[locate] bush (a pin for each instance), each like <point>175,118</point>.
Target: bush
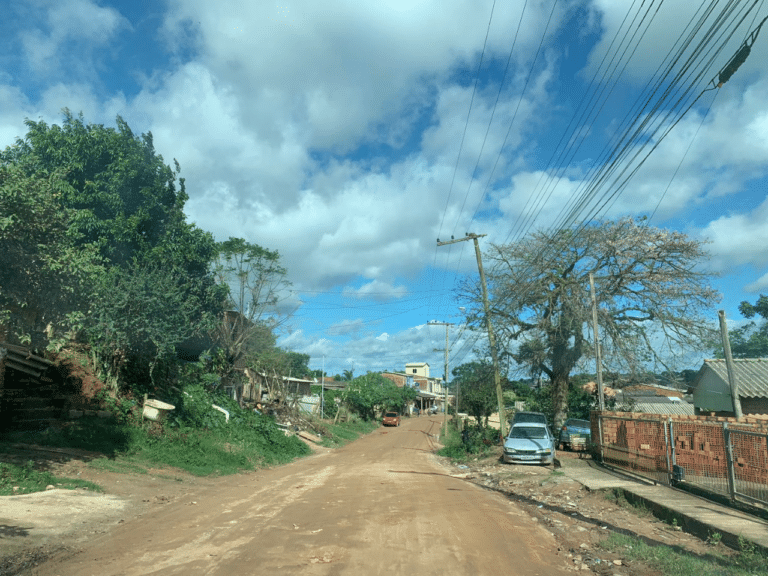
<point>473,441</point>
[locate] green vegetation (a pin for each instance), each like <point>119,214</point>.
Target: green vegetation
<point>674,562</point>
<point>750,340</point>
<point>25,480</point>
<point>249,441</point>
<point>346,432</point>
<point>371,392</point>
<point>474,442</point>
<point>478,390</point>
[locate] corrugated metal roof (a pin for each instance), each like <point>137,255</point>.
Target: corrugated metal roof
<point>678,408</point>
<point>751,375</point>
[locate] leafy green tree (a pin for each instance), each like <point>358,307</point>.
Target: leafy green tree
<point>46,274</point>
<point>144,312</point>
<point>654,300</point>
<point>478,390</point>
<point>126,199</point>
<point>751,340</point>
<point>123,201</point>
<point>580,403</point>
<point>371,392</point>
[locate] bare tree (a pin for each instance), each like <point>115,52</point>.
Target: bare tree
<point>654,299</point>
<point>254,279</point>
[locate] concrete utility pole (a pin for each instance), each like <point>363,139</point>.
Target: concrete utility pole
<point>322,389</point>
<point>598,358</point>
<point>729,365</point>
<point>445,378</point>
<point>489,326</point>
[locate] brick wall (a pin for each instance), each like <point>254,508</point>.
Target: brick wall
<point>644,442</point>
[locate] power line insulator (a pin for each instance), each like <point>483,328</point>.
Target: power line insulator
<point>733,65</point>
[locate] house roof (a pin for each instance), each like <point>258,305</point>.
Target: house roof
<point>751,375</point>
<point>680,408</point>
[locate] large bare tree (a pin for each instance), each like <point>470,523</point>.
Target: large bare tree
<point>654,298</point>
<point>255,280</point>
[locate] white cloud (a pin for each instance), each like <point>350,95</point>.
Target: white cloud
<point>376,290</point>
<point>79,22</point>
<point>739,238</point>
<point>667,24</point>
<point>382,352</point>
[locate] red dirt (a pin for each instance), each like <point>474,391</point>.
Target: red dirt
<point>384,503</point>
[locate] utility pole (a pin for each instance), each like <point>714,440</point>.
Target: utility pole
<point>489,326</point>
<point>729,365</point>
<point>445,378</point>
<point>322,389</point>
<point>598,358</point>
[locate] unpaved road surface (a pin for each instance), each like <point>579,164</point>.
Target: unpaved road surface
<point>383,504</point>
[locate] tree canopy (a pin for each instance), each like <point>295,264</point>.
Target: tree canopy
<point>117,241</point>
<point>370,392</point>
<point>125,199</point>
<point>751,340</point>
<point>654,301</point>
<point>46,276</point>
<point>477,397</point>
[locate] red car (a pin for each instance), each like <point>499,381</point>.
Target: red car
<point>391,419</point>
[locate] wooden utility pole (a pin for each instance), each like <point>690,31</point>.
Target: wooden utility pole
<point>729,364</point>
<point>445,378</point>
<point>598,359</point>
<point>489,326</point>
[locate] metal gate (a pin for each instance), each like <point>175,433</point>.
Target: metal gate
<point>728,460</point>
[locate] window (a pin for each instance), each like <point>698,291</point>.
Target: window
<point>414,370</point>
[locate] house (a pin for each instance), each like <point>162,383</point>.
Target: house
<point>417,369</point>
<point>275,386</point>
<point>712,391</point>
<point>431,391</point>
<point>652,399</point>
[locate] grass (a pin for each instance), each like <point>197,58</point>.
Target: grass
<point>133,447</point>
<point>119,466</point>
<point>25,480</point>
<point>618,497</point>
<point>674,562</point>
<point>343,433</point>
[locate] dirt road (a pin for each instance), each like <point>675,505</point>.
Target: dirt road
<point>383,504</point>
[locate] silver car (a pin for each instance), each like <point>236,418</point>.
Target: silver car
<point>529,443</point>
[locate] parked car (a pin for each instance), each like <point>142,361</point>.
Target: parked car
<point>530,443</point>
<point>391,419</point>
<point>523,417</point>
<point>575,434</point>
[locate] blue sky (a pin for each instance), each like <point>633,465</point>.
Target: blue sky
<point>332,131</point>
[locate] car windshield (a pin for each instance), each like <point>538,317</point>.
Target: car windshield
<point>390,415</point>
<point>528,432</point>
<point>574,423</point>
<point>529,417</point>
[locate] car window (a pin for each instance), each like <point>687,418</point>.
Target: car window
<point>576,423</point>
<point>390,415</point>
<point>528,432</point>
<point>530,417</point>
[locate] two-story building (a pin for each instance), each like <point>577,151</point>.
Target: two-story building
<point>431,391</point>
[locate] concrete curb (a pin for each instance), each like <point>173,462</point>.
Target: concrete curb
<point>694,514</point>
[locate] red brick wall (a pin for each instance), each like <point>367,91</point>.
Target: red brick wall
<point>642,442</point>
